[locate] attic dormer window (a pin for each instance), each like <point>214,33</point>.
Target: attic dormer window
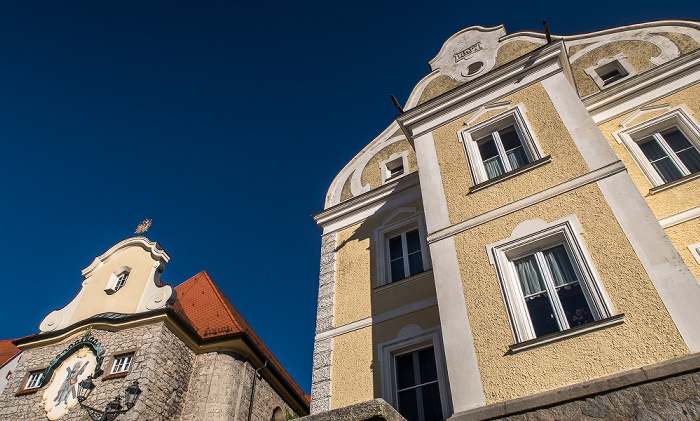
<point>121,280</point>
<point>118,279</point>
<point>395,167</point>
<point>609,71</point>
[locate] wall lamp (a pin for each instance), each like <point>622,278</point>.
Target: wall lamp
<point>113,409</point>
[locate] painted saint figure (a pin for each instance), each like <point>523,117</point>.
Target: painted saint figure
<point>68,386</point>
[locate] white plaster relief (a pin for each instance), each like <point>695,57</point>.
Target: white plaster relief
<point>470,45</point>
<point>355,167</point>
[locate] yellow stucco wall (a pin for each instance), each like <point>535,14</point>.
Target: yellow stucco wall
<point>552,136</point>
<point>356,274</point>
<point>438,86</point>
<point>648,334</point>
<point>512,50</point>
<point>674,200</point>
<point>638,55</point>
<point>683,235</point>
<point>356,375</point>
<point>684,43</point>
<point>95,300</point>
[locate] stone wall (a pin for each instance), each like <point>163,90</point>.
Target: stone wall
<point>665,391</point>
<point>161,364</point>
<point>176,383</point>
<point>220,387</point>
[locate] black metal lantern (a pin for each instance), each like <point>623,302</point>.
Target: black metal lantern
<point>132,394</point>
<point>114,408</point>
<point>84,388</point>
<point>115,405</point>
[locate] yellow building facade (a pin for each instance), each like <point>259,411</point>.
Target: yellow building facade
<point>529,224</point>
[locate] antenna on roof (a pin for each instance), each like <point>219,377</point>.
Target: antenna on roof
<point>546,31</point>
<point>143,226</point>
<point>396,104</point>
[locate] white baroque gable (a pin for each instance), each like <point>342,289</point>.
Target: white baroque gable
<point>143,291</point>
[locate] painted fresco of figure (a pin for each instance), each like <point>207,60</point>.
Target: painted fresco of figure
<point>68,386</point>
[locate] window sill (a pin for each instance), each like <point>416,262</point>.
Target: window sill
<point>27,391</point>
<point>525,168</point>
<point>115,376</point>
<point>403,281</point>
<point>579,330</point>
<point>674,183</point>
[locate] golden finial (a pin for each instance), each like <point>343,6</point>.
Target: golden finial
<point>143,226</point>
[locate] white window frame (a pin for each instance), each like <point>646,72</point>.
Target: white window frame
<point>412,338</point>
<point>115,283</point>
<point>619,62</point>
<point>34,380</point>
<point>122,363</point>
<point>514,116</point>
<point>677,117</point>
<point>695,251</point>
<point>387,167</point>
<point>529,237</point>
<point>413,220</point>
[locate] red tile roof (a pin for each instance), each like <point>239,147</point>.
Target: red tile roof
<point>211,314</point>
<point>7,351</point>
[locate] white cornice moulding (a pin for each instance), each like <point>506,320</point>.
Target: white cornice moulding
<point>644,88</point>
<point>358,208</point>
<point>528,69</point>
<point>679,218</point>
<point>157,252</point>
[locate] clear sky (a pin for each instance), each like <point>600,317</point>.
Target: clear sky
<point>222,121</point>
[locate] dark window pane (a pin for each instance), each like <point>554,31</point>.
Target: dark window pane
<point>432,409</point>
<point>404,371</point>
<point>509,138</point>
<point>413,241</point>
<point>575,305</point>
<point>415,263</point>
<point>691,159</point>
<point>517,157</point>
<point>408,404</point>
<point>676,140</point>
<point>487,148</point>
<point>426,365</point>
<point>397,270</point>
<point>542,315</point>
<point>395,248</point>
<point>660,160</point>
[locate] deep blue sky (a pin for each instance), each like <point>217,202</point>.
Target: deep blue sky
<point>224,122</point>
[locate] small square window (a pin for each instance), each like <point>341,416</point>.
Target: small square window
<point>117,279</point>
<point>499,145</point>
<point>121,364</point>
<point>34,380</point>
<point>609,71</point>
<point>394,167</point>
<point>121,280</point>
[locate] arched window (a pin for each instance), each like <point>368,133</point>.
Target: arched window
<point>277,414</point>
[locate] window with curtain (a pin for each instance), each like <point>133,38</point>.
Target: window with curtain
<point>671,154</point>
<point>405,255</point>
<point>552,291</point>
<point>502,151</point>
<point>417,387</point>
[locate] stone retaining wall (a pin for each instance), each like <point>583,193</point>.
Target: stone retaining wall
<point>659,392</point>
